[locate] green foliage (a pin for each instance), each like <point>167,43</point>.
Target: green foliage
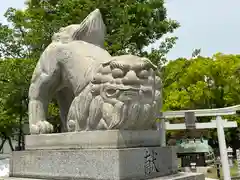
<point>10,44</point>
<point>131,24</point>
<point>14,82</point>
<point>203,82</point>
<point>158,56</point>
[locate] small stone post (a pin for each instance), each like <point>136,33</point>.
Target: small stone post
<point>238,160</point>
<point>193,167</point>
<point>230,156</point>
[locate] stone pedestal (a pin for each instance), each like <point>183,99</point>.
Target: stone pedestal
<point>105,155</point>
<point>113,139</point>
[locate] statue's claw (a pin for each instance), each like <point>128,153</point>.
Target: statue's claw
<point>71,126</point>
<point>41,127</point>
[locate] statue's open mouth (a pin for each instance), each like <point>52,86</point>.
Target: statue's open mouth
<point>128,93</point>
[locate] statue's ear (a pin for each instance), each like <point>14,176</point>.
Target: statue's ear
<point>92,29</point>
<point>149,63</point>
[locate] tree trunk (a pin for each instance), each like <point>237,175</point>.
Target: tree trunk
<point>3,142</point>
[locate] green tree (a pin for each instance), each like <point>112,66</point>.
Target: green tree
<point>131,24</point>
<point>203,82</point>
<point>14,82</point>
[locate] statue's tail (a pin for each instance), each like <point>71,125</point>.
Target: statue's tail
<point>91,29</point>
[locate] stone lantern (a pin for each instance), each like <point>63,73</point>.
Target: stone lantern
<point>195,154</point>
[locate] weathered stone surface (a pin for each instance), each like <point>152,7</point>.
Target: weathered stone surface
<point>178,176</point>
<point>104,164</point>
<point>182,176</point>
<point>93,140</point>
<point>94,90</point>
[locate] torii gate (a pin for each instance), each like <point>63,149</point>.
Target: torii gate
<point>190,123</point>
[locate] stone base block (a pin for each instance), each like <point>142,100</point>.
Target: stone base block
<point>112,139</point>
<point>178,176</point>
<point>95,164</point>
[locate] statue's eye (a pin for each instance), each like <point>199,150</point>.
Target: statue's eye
<point>111,92</point>
<point>143,74</point>
<point>117,73</point>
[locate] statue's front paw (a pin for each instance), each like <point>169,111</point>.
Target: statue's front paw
<point>41,127</point>
<point>34,129</point>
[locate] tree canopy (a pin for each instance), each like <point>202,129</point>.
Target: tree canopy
<point>131,25</point>
<point>204,82</point>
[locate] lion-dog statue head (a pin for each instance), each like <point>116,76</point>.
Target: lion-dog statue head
<point>123,94</point>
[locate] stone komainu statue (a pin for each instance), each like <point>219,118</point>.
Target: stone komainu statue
<point>94,89</point>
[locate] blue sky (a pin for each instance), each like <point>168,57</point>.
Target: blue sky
<point>212,25</point>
